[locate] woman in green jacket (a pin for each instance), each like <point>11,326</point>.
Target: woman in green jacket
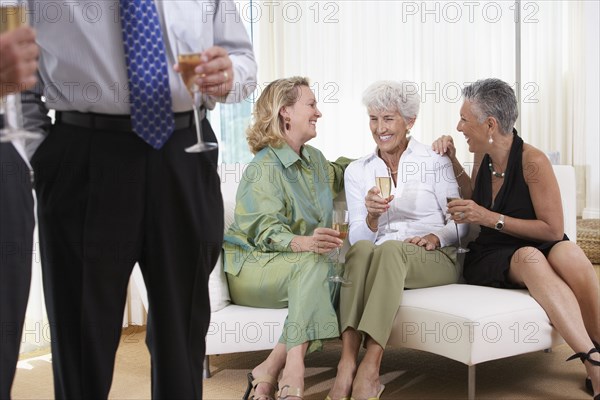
<point>276,249</point>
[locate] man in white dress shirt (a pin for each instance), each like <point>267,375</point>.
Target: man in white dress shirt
<point>107,199</point>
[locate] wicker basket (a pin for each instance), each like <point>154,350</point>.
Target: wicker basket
<point>588,238</point>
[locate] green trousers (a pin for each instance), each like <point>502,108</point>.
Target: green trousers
<point>379,275</point>
<point>297,281</point>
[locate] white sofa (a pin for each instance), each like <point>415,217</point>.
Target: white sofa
<point>470,324</point>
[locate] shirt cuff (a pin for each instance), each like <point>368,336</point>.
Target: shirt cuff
<point>447,234</point>
<point>280,242</point>
<point>360,231</point>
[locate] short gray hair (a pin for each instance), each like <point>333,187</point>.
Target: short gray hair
<point>493,98</point>
<point>402,97</point>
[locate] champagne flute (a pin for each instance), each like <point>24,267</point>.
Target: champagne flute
<point>12,17</point>
<point>453,193</point>
<point>340,224</point>
<point>383,181</point>
<point>188,60</point>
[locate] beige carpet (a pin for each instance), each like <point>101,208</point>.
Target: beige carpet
<point>407,374</point>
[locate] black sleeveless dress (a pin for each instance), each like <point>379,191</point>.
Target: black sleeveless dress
<point>488,261</point>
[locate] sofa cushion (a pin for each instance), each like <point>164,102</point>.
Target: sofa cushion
<point>238,328</point>
<point>472,324</point>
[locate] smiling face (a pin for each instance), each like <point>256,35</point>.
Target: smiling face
<point>476,133</point>
<point>389,130</point>
<point>303,115</point>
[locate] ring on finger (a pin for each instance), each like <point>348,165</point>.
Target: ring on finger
<point>461,215</point>
<point>225,75</point>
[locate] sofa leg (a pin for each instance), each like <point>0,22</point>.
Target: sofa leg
<point>471,384</point>
<point>206,365</point>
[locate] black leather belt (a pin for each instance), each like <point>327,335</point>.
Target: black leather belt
<point>107,122</point>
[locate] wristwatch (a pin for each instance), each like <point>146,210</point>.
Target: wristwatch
<point>500,224</point>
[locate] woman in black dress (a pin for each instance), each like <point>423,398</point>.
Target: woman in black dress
<point>516,201</point>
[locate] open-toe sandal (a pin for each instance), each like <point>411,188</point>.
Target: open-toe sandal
<point>288,391</point>
<point>381,388</point>
<point>253,383</point>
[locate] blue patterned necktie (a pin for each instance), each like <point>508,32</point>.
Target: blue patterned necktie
<point>151,110</point>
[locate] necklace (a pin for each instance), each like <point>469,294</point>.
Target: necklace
<point>388,168</point>
<point>496,174</point>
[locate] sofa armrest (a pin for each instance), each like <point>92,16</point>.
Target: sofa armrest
<point>565,175</point>
<point>218,289</point>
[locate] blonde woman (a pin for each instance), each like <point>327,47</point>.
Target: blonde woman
<point>276,249</point>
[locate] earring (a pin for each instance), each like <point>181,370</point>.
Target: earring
<point>490,140</point>
<point>408,133</point>
<point>287,123</point>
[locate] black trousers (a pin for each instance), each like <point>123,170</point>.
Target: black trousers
<point>16,241</point>
<point>106,200</point>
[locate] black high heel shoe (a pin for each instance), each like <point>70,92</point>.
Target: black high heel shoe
<point>588,380</point>
<point>253,383</point>
<point>586,357</point>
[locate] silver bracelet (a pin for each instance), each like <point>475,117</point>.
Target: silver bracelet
<point>459,175</point>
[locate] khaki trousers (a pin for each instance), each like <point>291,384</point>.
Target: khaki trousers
<point>379,275</point>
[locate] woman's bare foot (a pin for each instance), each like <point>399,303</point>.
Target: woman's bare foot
<point>267,377</point>
<point>267,373</point>
<point>366,383</point>
<point>291,385</point>
<point>342,387</point>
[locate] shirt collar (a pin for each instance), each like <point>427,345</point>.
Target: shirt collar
<point>288,157</point>
<point>418,148</point>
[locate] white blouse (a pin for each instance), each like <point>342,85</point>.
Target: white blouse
<point>419,204</point>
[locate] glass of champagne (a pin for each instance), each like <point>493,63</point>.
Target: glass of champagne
<point>340,224</point>
<point>13,16</point>
<point>453,193</point>
<point>383,181</point>
<point>188,60</point>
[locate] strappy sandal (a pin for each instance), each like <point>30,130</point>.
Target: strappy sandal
<point>586,357</point>
<point>290,391</point>
<point>253,383</point>
<point>588,380</point>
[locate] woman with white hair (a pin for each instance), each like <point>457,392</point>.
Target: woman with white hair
<point>415,252</point>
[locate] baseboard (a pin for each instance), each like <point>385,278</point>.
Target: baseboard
<point>590,213</point>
